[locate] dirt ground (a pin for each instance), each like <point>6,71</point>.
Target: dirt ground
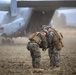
<point>15,59</point>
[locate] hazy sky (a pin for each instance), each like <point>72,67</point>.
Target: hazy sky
<point>70,15</point>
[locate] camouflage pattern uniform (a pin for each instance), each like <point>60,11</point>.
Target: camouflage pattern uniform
<point>54,55</point>
<point>53,52</point>
<point>35,53</point>
<point>33,47</point>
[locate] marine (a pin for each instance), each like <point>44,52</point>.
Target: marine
<point>37,40</point>
<point>55,44</point>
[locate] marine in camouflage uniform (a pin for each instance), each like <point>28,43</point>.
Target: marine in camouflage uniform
<point>33,46</point>
<point>53,51</point>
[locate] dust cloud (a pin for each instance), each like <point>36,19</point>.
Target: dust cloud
<point>15,59</point>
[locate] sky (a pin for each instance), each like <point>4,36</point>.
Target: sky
<point>70,15</point>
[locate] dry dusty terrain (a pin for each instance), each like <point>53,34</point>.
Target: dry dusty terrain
<point>15,59</point>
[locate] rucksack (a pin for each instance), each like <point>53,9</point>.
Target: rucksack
<point>58,39</point>
<point>35,38</point>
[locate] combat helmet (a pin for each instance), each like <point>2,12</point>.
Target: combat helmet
<point>45,27</point>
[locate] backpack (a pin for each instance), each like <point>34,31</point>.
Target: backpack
<point>57,39</point>
<point>35,38</point>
